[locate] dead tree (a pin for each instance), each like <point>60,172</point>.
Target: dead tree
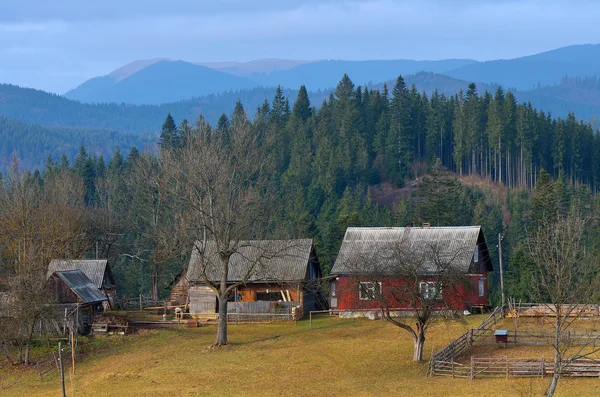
<point>565,279</point>
<point>414,286</point>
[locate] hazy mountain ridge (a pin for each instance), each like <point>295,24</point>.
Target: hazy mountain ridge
<point>158,81</point>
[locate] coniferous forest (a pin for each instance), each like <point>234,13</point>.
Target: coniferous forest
<point>389,157</point>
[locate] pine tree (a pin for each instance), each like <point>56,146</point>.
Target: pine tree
<point>302,108</point>
<point>169,136</point>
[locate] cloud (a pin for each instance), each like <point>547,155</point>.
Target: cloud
<point>77,39</point>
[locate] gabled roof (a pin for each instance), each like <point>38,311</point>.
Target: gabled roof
<point>264,260</point>
<point>82,286</point>
<point>94,269</point>
<point>382,245</point>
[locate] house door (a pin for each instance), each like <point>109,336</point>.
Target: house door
<point>333,300</point>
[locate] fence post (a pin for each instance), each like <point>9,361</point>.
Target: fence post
<point>543,368</point>
<point>452,366</point>
<point>515,336</point>
<point>471,376</point>
<point>62,369</point>
<point>141,308</point>
<point>471,338</point>
<point>506,361</point>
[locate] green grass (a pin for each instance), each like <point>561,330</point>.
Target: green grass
<point>334,357</point>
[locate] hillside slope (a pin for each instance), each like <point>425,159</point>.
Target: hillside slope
<point>32,144</point>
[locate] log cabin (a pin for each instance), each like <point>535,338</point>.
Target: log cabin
<point>465,245</point>
<point>271,273</point>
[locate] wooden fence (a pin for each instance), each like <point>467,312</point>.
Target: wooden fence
<point>530,337</point>
<point>460,344</point>
<point>504,367</point>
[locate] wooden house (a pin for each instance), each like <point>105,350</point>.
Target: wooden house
<point>465,246</point>
<point>277,273</point>
<point>97,270</point>
<point>73,287</point>
<point>179,288</point>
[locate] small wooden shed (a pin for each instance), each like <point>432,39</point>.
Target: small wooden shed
<point>179,289</point>
<point>74,287</point>
<point>96,270</point>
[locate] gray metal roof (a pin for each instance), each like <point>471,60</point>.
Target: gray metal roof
<point>82,286</point>
<point>94,269</point>
<point>381,248</point>
<point>262,260</point>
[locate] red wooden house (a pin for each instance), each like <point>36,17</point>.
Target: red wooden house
<point>354,285</point>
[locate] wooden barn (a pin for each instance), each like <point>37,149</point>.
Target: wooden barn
<point>97,270</point>
<point>282,273</point>
<point>73,287</point>
<point>465,245</point>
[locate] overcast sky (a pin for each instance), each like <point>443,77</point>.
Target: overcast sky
<point>56,45</point>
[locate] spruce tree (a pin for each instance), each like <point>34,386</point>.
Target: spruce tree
<point>168,136</point>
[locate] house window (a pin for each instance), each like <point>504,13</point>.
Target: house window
<point>476,254</point>
<point>429,290</point>
<point>268,296</point>
<point>369,290</point>
<point>333,288</point>
<point>481,287</point>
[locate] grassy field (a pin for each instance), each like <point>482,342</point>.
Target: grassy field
<point>333,357</point>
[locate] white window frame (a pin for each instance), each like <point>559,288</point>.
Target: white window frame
<point>333,288</point>
<point>367,290</point>
<point>429,290</point>
<point>481,286</point>
<point>476,254</point>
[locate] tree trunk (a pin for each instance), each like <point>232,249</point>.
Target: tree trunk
<point>155,281</point>
<point>222,325</point>
<point>553,385</point>
<point>419,342</point>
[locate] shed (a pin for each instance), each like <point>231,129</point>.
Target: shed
<point>179,289</point>
<point>96,270</point>
<point>74,287</point>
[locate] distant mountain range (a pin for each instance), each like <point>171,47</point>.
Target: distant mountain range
<point>158,81</point>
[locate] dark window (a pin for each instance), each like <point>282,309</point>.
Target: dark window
<point>268,296</point>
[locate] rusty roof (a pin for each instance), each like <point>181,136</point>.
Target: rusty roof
<point>82,286</point>
<point>253,260</point>
<point>380,247</point>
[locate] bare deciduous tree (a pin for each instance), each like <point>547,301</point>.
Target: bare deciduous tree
<point>154,214</point>
<point>414,288</point>
<point>38,222</point>
<point>223,194</point>
<point>565,278</point>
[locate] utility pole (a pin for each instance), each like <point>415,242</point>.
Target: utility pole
<point>500,237</point>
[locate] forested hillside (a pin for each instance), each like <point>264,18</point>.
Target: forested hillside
<point>364,158</point>
<point>32,144</point>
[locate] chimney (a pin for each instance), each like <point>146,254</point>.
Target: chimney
<point>426,224</point>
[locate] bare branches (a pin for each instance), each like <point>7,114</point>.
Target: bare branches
<point>424,280</point>
<point>565,278</point>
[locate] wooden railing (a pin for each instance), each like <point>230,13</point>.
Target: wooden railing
<point>505,367</point>
<point>460,344</point>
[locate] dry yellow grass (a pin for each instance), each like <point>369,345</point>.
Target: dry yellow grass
<point>334,357</point>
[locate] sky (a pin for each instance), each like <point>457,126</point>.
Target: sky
<point>57,45</point>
